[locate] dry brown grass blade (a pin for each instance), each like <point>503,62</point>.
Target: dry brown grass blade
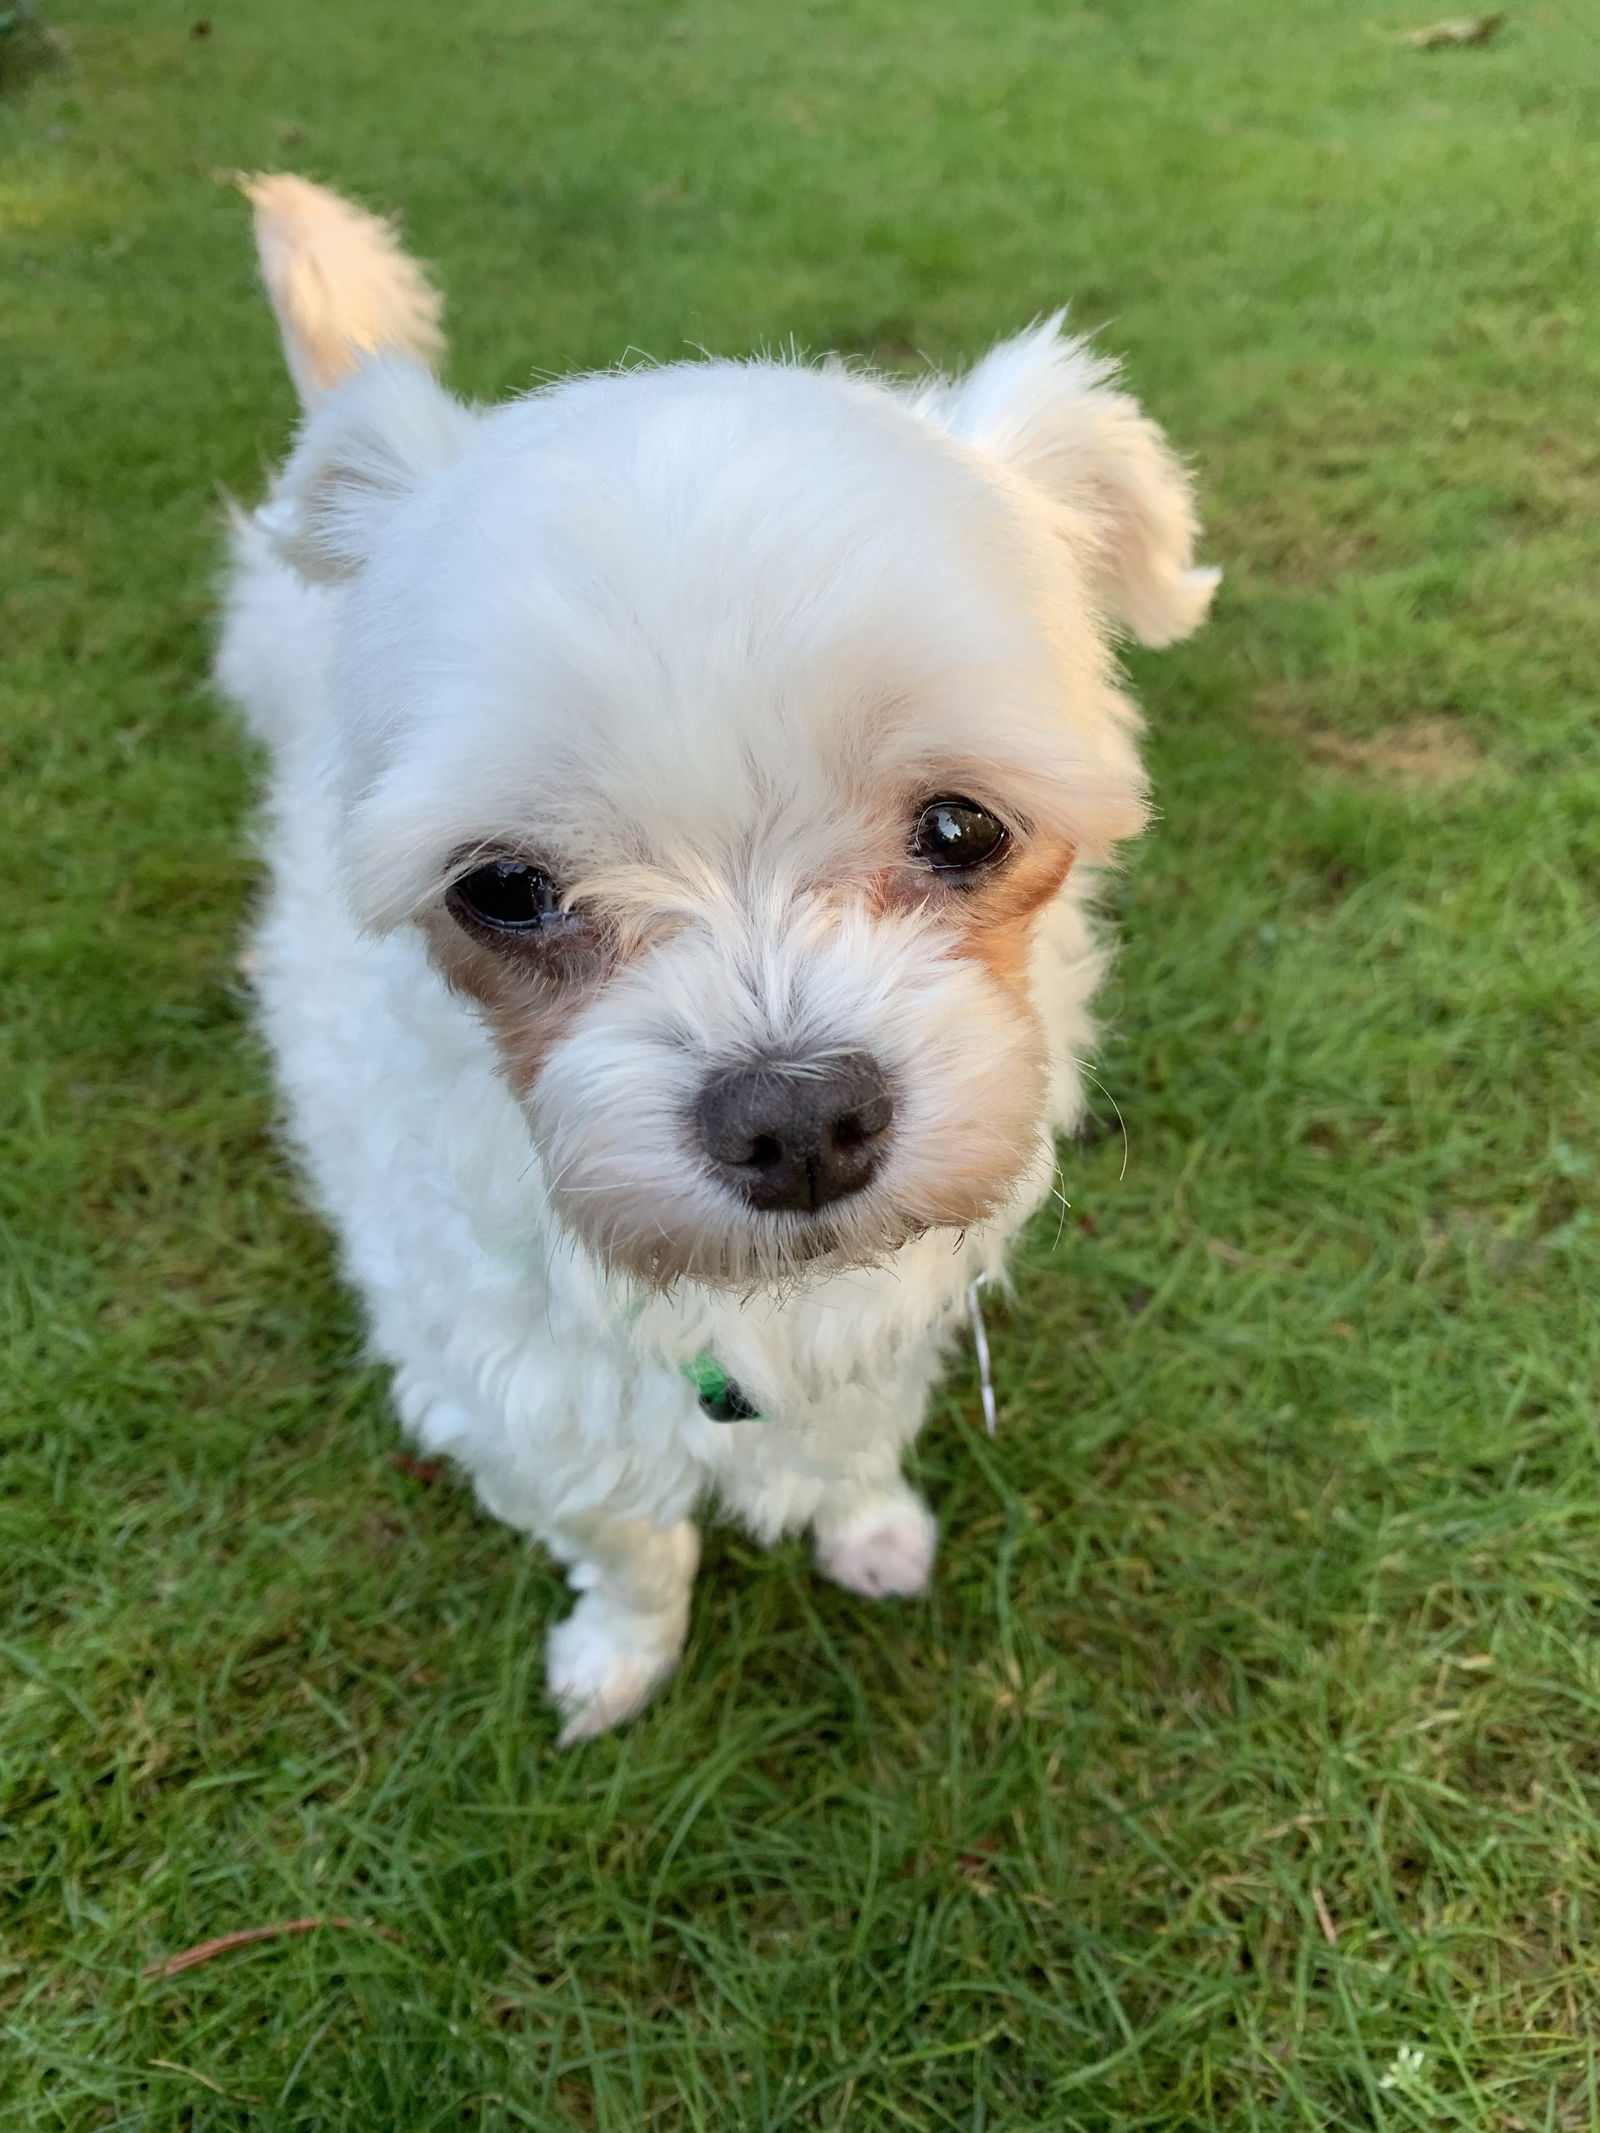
<point>225,1943</point>
<point>1455,30</point>
<point>427,1471</point>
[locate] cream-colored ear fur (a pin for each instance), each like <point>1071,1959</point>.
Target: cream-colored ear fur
<point>1048,406</point>
<point>360,327</point>
<point>339,283</point>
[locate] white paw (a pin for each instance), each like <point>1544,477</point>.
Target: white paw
<point>884,1550</point>
<point>603,1664</point>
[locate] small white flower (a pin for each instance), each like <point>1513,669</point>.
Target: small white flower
<point>1405,2069</point>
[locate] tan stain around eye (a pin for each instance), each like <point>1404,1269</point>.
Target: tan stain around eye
<point>528,997</point>
<point>998,930</point>
<point>990,921</point>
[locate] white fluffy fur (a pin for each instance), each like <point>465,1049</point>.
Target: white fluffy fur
<point>696,633</point>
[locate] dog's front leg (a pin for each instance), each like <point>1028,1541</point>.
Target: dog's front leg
<point>625,1635</point>
<point>874,1534</point>
<point>876,1538</point>
<point>840,1475</point>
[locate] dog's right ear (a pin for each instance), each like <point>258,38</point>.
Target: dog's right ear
<point>363,449</point>
<point>1049,408</point>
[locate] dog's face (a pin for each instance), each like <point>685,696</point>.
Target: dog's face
<point>729,731</point>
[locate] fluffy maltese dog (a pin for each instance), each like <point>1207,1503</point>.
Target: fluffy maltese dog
<point>687,788</point>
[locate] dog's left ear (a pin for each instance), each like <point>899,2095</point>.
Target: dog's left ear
<point>1048,407</point>
<point>363,449</point>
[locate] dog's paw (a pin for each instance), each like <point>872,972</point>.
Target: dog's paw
<point>885,1550</point>
<point>603,1665</point>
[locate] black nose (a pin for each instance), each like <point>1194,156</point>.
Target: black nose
<point>796,1134</point>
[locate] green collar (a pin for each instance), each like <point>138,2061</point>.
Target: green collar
<point>720,1397</point>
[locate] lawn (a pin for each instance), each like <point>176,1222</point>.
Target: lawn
<point>1241,1770</point>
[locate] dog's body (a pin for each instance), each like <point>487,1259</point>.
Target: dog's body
<point>686,787</point>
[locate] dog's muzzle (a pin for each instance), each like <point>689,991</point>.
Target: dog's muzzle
<point>796,1134</point>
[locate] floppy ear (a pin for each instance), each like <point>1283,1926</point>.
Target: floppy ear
<point>364,447</point>
<point>1048,407</point>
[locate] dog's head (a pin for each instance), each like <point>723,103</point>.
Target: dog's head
<point>728,730</point>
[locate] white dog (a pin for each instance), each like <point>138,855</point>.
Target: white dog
<point>686,788</point>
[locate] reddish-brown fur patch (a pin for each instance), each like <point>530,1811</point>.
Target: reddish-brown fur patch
<point>529,992</point>
<point>999,931</point>
<point>990,920</point>
<point>968,1191</point>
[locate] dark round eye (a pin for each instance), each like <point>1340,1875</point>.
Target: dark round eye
<point>953,835</point>
<point>507,896</point>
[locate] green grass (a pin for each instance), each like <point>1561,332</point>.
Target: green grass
<point>1246,1749</point>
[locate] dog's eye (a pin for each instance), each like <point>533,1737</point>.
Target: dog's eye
<point>507,896</point>
<point>955,835</point>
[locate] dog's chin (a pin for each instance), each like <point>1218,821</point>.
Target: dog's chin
<point>777,1253</point>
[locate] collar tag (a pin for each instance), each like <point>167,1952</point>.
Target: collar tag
<point>980,1342</point>
<point>720,1397</point>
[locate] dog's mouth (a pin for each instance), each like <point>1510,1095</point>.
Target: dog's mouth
<point>769,1173</point>
<point>773,1256</point>
<point>789,1149</point>
<point>805,1247</point>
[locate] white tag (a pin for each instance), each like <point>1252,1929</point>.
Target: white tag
<point>980,1341</point>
